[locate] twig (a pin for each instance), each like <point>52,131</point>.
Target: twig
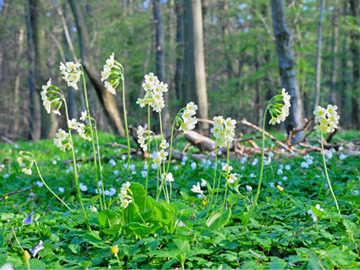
<point>247,123</point>
<point>17,191</point>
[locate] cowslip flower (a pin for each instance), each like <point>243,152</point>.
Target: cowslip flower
<point>51,97</point>
<point>187,118</point>
<point>154,93</point>
<point>145,137</point>
<point>227,168</point>
<point>115,249</point>
<point>112,71</point>
<point>168,177</point>
<point>279,107</point>
<point>27,257</point>
<point>71,73</point>
<point>223,130</point>
<point>26,161</point>
<point>232,178</point>
<point>125,195</point>
<point>62,140</point>
<point>328,118</point>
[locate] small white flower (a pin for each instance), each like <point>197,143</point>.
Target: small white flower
<point>61,189</point>
<point>254,162</point>
<point>112,162</point>
<point>285,178</point>
<point>288,167</point>
<point>252,175</point>
<point>196,188</point>
<point>40,184</point>
<point>271,184</point>
<point>342,156</point>
<point>125,203</point>
<point>143,173</point>
<point>248,188</point>
<point>193,165</point>
<point>203,182</point>
<point>243,160</point>
<point>83,187</point>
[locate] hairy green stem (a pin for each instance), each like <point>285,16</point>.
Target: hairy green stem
<point>214,180</point>
<point>262,158</point>
<point>148,156</point>
<point>227,175</point>
<point>100,165</point>
<point>126,126</point>
<point>326,173</point>
<point>75,169</point>
<point>52,192</point>
<point>92,140</point>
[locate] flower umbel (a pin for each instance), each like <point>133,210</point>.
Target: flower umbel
<point>279,107</point>
<point>71,73</point>
<point>328,118</point>
<point>223,130</point>
<point>112,74</point>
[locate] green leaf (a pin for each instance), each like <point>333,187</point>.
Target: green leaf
<point>218,220</point>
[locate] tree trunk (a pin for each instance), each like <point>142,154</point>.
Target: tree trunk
<point>106,98</point>
<point>355,50</point>
<point>16,108</point>
<point>287,65</point>
<point>35,109</point>
<point>199,62</point>
<point>318,56</point>
<point>188,88</point>
<point>333,90</point>
<point>160,56</point>
<point>179,66</point>
<point>344,67</point>
<point>48,121</point>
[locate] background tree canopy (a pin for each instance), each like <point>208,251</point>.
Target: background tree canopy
<point>240,56</point>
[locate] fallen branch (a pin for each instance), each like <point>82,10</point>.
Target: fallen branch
<point>118,145</point>
<point>271,137</point>
<point>16,192</point>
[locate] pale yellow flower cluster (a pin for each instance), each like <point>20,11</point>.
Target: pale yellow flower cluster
<point>280,111</point>
<point>328,118</point>
<point>154,89</point>
<point>71,73</point>
<point>52,100</point>
<point>125,195</point>
<point>62,140</point>
<point>188,120</point>
<point>112,70</point>
<point>223,130</point>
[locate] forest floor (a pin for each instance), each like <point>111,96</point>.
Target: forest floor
<point>296,228</point>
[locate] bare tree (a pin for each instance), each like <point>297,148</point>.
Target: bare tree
<point>287,64</point>
<point>335,48</point>
<point>106,98</point>
<point>355,50</point>
<point>318,55</point>
<point>160,56</point>
<point>199,61</point>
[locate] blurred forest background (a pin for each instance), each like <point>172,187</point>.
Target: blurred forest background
<point>220,53</point>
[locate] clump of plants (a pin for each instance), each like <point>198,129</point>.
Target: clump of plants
<point>149,224</point>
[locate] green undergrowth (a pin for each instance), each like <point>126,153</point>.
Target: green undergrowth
<point>281,234</point>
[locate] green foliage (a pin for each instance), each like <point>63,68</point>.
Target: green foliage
<point>149,234</point>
